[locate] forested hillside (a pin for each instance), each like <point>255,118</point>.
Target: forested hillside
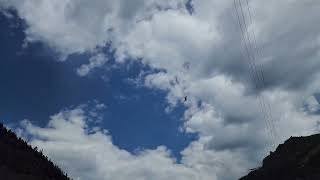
<point>19,161</point>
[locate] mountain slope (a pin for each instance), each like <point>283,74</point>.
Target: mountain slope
<point>297,159</point>
<point>19,161</point>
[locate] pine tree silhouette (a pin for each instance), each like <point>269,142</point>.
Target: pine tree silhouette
<point>19,161</point>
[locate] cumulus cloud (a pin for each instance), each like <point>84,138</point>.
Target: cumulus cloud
<point>87,152</point>
<point>165,35</point>
<point>94,62</point>
<point>237,122</point>
<point>81,26</point>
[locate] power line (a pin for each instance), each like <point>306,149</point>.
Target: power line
<point>260,75</point>
<point>259,79</point>
<point>253,68</point>
<point>261,66</point>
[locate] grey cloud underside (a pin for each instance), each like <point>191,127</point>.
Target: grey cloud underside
<point>287,42</point>
<point>290,46</point>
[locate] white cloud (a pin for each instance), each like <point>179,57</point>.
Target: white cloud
<point>94,62</point>
<point>87,153</point>
<point>223,103</point>
<point>80,26</point>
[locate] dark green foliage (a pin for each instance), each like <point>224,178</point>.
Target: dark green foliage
<point>297,159</point>
<point>19,161</point>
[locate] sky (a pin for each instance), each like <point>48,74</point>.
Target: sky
<point>100,85</point>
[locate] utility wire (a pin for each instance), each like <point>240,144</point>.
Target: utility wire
<point>259,79</point>
<point>259,56</point>
<point>253,68</point>
<point>261,75</point>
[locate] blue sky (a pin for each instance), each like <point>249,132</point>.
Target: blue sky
<point>35,86</point>
<point>99,85</point>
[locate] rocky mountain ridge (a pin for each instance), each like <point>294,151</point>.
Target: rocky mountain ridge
<point>298,158</point>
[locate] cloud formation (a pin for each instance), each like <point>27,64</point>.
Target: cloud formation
<point>94,62</point>
<point>81,26</point>
<point>223,106</point>
<point>87,152</point>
